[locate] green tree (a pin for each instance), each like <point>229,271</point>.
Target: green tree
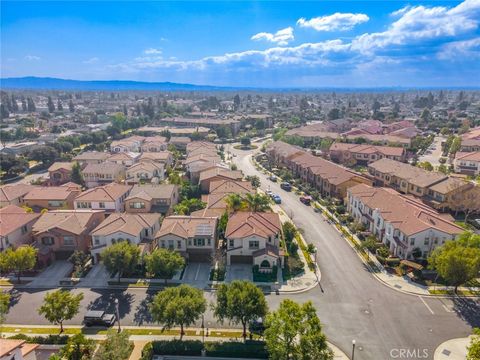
<point>425,165</point>
<point>121,257</point>
<point>474,348</point>
<point>457,261</point>
<point>77,176</point>
<point>456,144</point>
<point>59,306</point>
<point>163,263</point>
<point>4,306</point>
<point>21,259</point>
<point>257,202</point>
<point>289,231</point>
<point>333,114</point>
<point>222,224</point>
<point>254,180</point>
<point>245,141</point>
<point>294,332</point>
<point>187,206</point>
<point>115,347</point>
<point>45,154</point>
<point>78,347</point>
<point>50,105</point>
<point>181,305</point>
<point>234,202</point>
<point>240,302</point>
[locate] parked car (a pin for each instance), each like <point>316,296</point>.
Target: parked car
<point>269,193</point>
<point>306,200</point>
<point>257,326</point>
<point>272,178</point>
<point>286,186</point>
<point>277,199</point>
<point>99,318</point>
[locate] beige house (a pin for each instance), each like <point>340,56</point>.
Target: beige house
<point>215,174</point>
<point>145,171</point>
<point>110,198</point>
<point>60,173</point>
<point>15,226</point>
<point>14,194</point>
<point>154,144</point>
<point>124,158</point>
<point>362,154</point>
<point>254,238</point>
<point>52,197</point>
<point>162,157</point>
<point>91,157</point>
<point>11,349</point>
<point>193,237</point>
<point>148,198</point>
<point>103,173</point>
<point>467,163</point>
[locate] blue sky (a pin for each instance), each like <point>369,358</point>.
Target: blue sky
<point>240,43</point>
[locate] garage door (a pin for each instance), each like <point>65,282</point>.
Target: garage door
<point>241,259</point>
<point>200,257</point>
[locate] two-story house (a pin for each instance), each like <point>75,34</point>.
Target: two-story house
<point>52,197</point>
<point>103,173</point>
<point>254,238</point>
<point>15,226</point>
<point>467,163</point>
<point>145,171</point>
<point>158,198</point>
<point>137,229</point>
<point>60,173</point>
<point>14,194</point>
<point>195,238</point>
<point>363,154</point>
<point>110,198</point>
<point>154,144</point>
<point>124,158</point>
<point>91,157</point>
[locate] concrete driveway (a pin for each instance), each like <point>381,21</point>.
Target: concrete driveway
<point>239,272</point>
<point>98,276</point>
<point>197,274</point>
<point>52,275</point>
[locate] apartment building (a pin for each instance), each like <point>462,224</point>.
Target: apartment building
<point>363,154</point>
<point>467,163</point>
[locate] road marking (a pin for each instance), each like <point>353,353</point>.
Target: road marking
<point>447,309</point>
<point>198,270</point>
<point>428,307</point>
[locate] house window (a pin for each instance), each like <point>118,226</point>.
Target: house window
<point>97,241</point>
<point>209,241</point>
<point>163,244</point>
<point>231,243</point>
<point>199,242</point>
<point>55,203</point>
<point>170,244</point>
<point>47,240</point>
<point>137,205</point>
<point>426,241</point>
<point>101,205</point>
<point>68,240</point>
<point>179,244</point>
<point>412,241</point>
<point>253,244</point>
<point>24,229</point>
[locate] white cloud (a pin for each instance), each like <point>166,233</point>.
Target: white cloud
<point>281,37</point>
<point>152,51</point>
<point>420,23</point>
<point>92,60</point>
<point>335,22</point>
<point>461,50</point>
<point>32,58</point>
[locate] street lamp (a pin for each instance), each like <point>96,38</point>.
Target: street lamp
<point>118,315</point>
<point>203,330</point>
<point>353,349</point>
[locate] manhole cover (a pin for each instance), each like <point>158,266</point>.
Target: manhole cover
<point>446,352</point>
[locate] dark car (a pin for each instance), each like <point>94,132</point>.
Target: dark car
<point>277,199</point>
<point>286,186</point>
<point>306,200</point>
<point>99,318</point>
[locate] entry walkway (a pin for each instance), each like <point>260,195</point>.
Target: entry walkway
<point>51,276</point>
<point>453,349</point>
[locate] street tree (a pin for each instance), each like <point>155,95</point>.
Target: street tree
<point>45,154</point>
<point>121,257</point>
<point>294,332</point>
<point>254,180</point>
<point>457,261</point>
<point>240,302</point>
<point>77,176</point>
<point>115,347</point>
<point>4,306</point>
<point>257,202</point>
<point>474,347</point>
<point>178,306</point>
<point>59,306</point>
<point>71,106</point>
<point>163,263</point>
<point>78,347</point>
<point>20,259</point>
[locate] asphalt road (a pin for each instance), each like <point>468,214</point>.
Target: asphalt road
<point>351,303</point>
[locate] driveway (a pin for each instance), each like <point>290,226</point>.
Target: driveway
<point>239,272</point>
<point>197,274</point>
<point>98,276</point>
<point>51,276</point>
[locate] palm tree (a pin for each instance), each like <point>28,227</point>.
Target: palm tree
<point>234,202</point>
<point>257,202</point>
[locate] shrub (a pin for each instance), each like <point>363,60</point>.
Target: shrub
<point>217,274</point>
<point>177,347</point>
<point>392,262</point>
<point>147,352</point>
<point>264,276</point>
<point>50,339</point>
<point>293,267</point>
<point>383,251</point>
<point>249,349</point>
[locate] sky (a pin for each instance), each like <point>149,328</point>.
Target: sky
<point>246,43</point>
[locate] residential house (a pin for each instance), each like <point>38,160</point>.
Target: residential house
<point>145,171</point>
<point>471,140</point>
<point>162,157</point>
<point>103,173</point>
<point>130,144</point>
<point>194,237</point>
<point>60,173</point>
<point>404,224</point>
<point>12,349</point>
<point>147,198</point>
<point>14,194</point>
<point>52,197</point>
<point>15,226</point>
<point>210,175</point>
<point>254,238</point>
<point>137,229</point>
<point>110,198</point>
<point>154,144</point>
<point>363,154</point>
<point>124,158</point>
<point>57,234</point>
<point>91,157</point>
<point>180,142</point>
<point>467,163</point>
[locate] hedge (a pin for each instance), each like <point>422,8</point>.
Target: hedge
<point>50,339</point>
<point>177,347</point>
<point>249,349</point>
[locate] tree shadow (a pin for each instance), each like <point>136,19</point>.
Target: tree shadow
<point>142,314</point>
<point>106,302</point>
<point>468,309</point>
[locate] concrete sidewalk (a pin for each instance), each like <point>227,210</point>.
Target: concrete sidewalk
<point>453,349</point>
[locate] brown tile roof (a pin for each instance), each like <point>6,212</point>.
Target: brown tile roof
<point>243,224</point>
<point>468,156</point>
<point>449,184</point>
<point>155,156</point>
<point>412,174</point>
<point>60,165</point>
<point>109,192</point>
<point>407,214</point>
<point>12,192</point>
<point>72,221</point>
<point>231,186</point>
<point>180,140</point>
<point>148,166</point>
<point>214,158</point>
<point>8,345</point>
<point>225,173</point>
<point>103,168</point>
<point>51,192</point>
<point>213,212</point>
<point>151,191</point>
<point>132,224</point>
<point>122,156</point>
<point>188,226</point>
<point>92,155</point>
<point>368,149</point>
<point>199,144</point>
<point>283,149</point>
<point>13,217</point>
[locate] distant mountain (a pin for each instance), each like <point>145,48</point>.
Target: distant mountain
<point>32,82</point>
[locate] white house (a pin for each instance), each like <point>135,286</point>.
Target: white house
<point>404,224</point>
<point>467,163</point>
<point>145,171</point>
<point>110,198</point>
<point>135,228</point>
<point>254,238</point>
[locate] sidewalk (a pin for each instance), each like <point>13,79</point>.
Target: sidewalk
<point>453,349</point>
